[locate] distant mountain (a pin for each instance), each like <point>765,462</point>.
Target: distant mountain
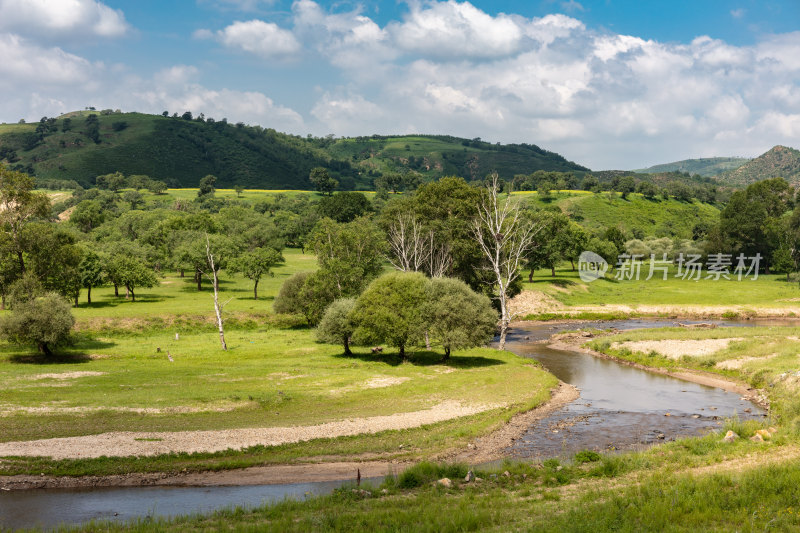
<point>708,166</point>
<point>181,150</point>
<point>780,161</point>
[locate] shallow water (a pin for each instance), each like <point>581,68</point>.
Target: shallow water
<point>47,508</point>
<point>620,407</point>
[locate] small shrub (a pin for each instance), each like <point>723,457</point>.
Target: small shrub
<point>587,456</point>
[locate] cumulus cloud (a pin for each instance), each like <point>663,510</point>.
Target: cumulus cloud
<point>264,39</point>
<point>62,18</point>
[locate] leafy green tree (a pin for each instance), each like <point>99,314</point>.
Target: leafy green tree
<point>350,254</point>
<point>87,215</point>
<point>134,198</point>
<point>134,274</point>
<point>288,300</point>
<point>647,189</point>
<point>156,186</point>
<point>9,267</point>
<point>337,326</point>
<point>53,256</point>
<point>625,185</point>
<point>322,181</point>
<point>239,190</point>
<point>782,262</point>
<point>457,317</point>
<point>590,183</point>
<point>256,264</point>
<point>91,269</point>
<point>316,294</point>
<point>344,206</point>
<point>392,310</point>
<point>544,189</point>
<point>115,181</point>
<point>19,204</point>
<point>550,242</point>
<point>44,322</point>
<point>138,181</point>
<point>206,187</point>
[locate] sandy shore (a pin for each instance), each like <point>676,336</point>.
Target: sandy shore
<point>127,443</point>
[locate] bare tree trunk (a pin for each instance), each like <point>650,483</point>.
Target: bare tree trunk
<point>116,290</point>
<point>127,292</point>
<point>255,290</point>
<point>215,283</point>
<point>3,302</point>
<point>504,236</point>
<point>427,341</point>
<point>88,295</point>
<point>346,341</point>
<point>133,294</point>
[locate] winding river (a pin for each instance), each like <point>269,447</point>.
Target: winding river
<point>620,407</point>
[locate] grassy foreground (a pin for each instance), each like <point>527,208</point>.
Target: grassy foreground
<point>117,377</point>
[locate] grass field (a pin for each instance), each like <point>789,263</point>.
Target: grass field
<point>673,296</point>
<point>273,374</point>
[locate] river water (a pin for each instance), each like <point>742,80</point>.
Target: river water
<point>620,407</point>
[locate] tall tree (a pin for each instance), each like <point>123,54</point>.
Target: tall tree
<point>91,269</point>
<point>19,204</point>
<point>255,264</point>
<point>504,235</point>
<point>322,180</point>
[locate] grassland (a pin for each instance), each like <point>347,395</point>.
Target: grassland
<point>274,374</point>
<point>566,296</point>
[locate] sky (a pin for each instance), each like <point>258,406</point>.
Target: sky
<point>610,84</point>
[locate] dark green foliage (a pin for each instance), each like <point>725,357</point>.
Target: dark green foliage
<point>44,322</point>
<point>288,300</point>
<point>425,473</point>
<point>322,180</point>
<point>344,206</point>
<point>206,187</point>
<point>91,271</point>
<point>587,456</point>
<point>179,151</point>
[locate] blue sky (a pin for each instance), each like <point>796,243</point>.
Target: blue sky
<point>607,83</point>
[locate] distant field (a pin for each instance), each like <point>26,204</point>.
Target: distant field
<point>657,217</point>
<point>767,292</point>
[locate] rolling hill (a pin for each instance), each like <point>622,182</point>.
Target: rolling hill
<point>180,150</point>
<point>779,161</point>
<point>707,166</point>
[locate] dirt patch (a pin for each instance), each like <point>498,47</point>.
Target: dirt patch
<point>675,349</point>
<point>67,375</point>
<point>126,444</point>
<point>10,410</point>
<point>533,303</point>
<point>735,364</point>
<point>65,215</point>
<point>491,447</point>
<point>378,383</point>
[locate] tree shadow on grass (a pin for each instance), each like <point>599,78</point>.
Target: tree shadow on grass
<point>115,301</point>
<point>425,358</point>
<point>80,352</point>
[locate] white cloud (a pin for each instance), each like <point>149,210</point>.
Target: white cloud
<point>264,39</point>
<point>62,18</point>
<point>238,5</point>
<point>737,13</point>
<point>25,62</point>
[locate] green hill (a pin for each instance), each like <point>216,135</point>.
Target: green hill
<point>708,166</point>
<point>181,150</point>
<point>779,161</point>
<point>660,218</point>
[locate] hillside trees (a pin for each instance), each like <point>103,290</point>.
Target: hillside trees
<point>19,204</point>
<point>337,324</point>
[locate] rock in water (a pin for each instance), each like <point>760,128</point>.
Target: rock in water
<point>730,436</point>
<point>757,438</point>
<point>445,482</point>
<point>470,477</point>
